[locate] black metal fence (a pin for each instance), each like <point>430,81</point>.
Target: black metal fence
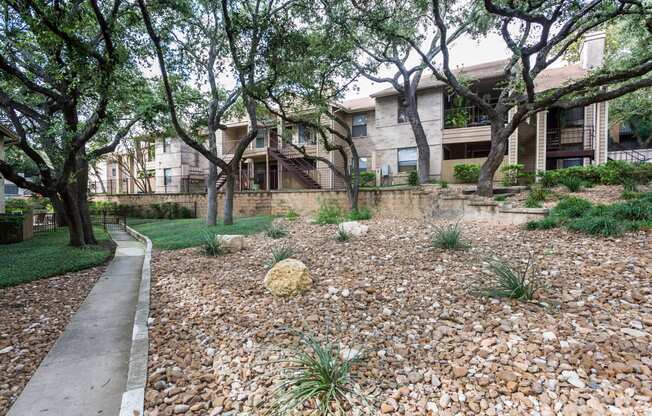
<point>44,221</point>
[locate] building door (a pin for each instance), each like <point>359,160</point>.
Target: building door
<point>259,175</point>
<point>273,176</point>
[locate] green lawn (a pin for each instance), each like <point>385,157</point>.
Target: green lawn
<point>48,254</point>
<point>176,234</point>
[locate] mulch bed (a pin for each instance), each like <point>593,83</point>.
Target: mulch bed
<point>432,347</point>
<point>33,316</point>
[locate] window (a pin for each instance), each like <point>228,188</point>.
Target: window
<point>114,171</point>
<point>363,164</point>
<point>402,111</point>
<point>572,117</point>
<point>407,159</point>
<point>167,176</point>
<point>305,135</point>
<point>567,163</point>
<point>151,151</point>
<point>260,139</point>
<point>11,188</point>
<point>167,144</point>
<point>359,123</point>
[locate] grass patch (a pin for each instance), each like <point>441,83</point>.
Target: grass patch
<point>342,236</point>
<point>183,233</point>
<point>449,237</point>
<point>572,183</point>
<point>320,376</point>
<point>276,231</point>
<point>604,226</point>
<point>507,282</point>
<point>48,254</point>
<point>329,213</point>
<point>360,214</point>
<point>211,245</point>
<point>279,254</point>
<point>291,215</point>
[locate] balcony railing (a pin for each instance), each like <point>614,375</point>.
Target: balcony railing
<point>568,139</point>
<point>460,117</point>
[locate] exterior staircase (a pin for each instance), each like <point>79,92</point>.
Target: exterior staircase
<point>628,155</point>
<point>221,180</point>
<point>297,166</point>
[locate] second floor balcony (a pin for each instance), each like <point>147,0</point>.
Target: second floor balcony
<point>461,117</point>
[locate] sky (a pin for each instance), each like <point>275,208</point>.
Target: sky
<point>464,52</point>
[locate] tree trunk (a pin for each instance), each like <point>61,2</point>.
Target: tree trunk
<point>228,198</point>
<point>81,183</point>
<point>59,210</point>
<point>423,148</point>
<point>211,194</point>
<point>73,216</point>
<point>495,158</point>
<point>352,192</point>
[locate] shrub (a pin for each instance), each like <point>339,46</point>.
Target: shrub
<point>500,198</point>
<point>449,237</point>
<point>413,178</point>
<point>532,202</point>
<point>511,174</point>
<point>636,210</point>
<point>279,254</point>
<point>329,213</point>
<point>360,214</point>
<point>467,172</point>
<point>276,231</point>
<point>367,179</point>
<point>571,207</point>
<point>509,283</point>
<point>597,225</point>
<point>18,205</point>
<point>291,215</point>
<point>573,183</point>
<point>443,184</point>
<point>542,224</point>
<point>342,236</point>
<point>211,245</point>
<point>629,195</point>
<point>536,197</point>
<point>614,172</point>
<point>317,375</point>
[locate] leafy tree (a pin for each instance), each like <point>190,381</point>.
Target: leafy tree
<point>383,34</point>
<point>62,65</point>
<point>538,34</point>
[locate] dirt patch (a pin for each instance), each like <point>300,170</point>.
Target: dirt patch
<point>33,316</point>
<point>432,348</point>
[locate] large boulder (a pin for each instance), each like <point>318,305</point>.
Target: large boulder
<point>288,277</point>
<point>232,243</point>
<point>354,228</point>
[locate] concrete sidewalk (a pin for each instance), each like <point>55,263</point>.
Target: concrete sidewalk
<point>85,373</point>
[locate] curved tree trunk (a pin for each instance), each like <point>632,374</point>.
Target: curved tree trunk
<point>228,198</point>
<point>495,158</point>
<point>211,194</point>
<point>423,148</point>
<point>73,216</point>
<point>82,200</point>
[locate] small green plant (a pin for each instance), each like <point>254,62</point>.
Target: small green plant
<point>367,179</point>
<point>511,174</point>
<point>604,226</point>
<point>279,254</point>
<point>543,224</point>
<point>629,195</point>
<point>212,245</point>
<point>466,172</point>
<point>360,214</point>
<point>500,198</point>
<point>571,207</point>
<point>276,231</point>
<point>342,236</point>
<point>291,215</point>
<point>573,183</point>
<point>443,184</point>
<point>318,376</point>
<point>449,237</point>
<point>629,185</point>
<point>329,213</point>
<point>505,282</point>
<point>413,178</point>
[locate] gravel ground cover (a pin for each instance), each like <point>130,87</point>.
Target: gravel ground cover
<point>599,194</point>
<point>582,348</point>
<point>33,316</point>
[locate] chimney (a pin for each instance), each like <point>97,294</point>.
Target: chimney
<point>592,50</point>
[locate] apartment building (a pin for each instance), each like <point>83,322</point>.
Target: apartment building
<point>456,131</point>
<point>150,165</point>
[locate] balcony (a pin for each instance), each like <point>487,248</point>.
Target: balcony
<point>570,142</point>
<point>462,117</point>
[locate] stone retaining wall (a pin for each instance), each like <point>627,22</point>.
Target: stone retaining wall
<point>422,202</point>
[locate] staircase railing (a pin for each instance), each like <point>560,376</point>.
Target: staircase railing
<point>628,155</point>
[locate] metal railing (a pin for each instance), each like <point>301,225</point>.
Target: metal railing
<point>44,221</point>
<point>460,117</point>
<point>575,138</point>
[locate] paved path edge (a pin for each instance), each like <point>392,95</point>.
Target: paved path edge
<point>133,399</point>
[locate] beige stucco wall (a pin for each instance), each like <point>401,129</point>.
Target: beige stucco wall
<point>448,168</point>
<point>389,135</point>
